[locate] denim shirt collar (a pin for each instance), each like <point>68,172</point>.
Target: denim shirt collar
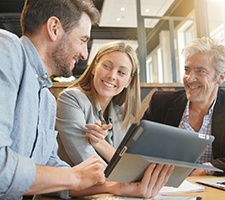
<point>36,62</point>
<point>113,112</point>
<point>100,114</point>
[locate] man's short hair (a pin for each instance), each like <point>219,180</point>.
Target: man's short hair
<point>36,12</point>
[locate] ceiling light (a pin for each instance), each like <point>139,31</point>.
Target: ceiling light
<point>118,19</point>
<point>122,8</point>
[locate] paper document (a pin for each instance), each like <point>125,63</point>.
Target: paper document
<point>185,187</point>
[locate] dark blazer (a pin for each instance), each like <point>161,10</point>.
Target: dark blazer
<point>167,107</point>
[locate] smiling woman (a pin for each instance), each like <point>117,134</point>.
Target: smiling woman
<point>100,103</point>
<point>111,75</point>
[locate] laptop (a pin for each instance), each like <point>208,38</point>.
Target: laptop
<point>218,182</point>
<point>150,142</point>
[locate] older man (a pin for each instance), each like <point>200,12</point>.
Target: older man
<point>200,107</point>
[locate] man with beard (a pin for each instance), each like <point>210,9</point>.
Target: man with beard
<point>200,106</point>
<point>55,36</point>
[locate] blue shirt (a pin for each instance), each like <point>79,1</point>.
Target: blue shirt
<point>27,116</point>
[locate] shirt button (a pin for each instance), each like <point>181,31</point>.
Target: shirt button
<point>45,76</point>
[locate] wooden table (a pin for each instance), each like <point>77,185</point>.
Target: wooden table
<point>210,193</point>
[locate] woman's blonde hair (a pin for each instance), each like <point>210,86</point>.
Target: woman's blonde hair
<point>130,96</point>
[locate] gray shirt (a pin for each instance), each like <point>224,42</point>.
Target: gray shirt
<point>27,119</point>
<point>74,111</point>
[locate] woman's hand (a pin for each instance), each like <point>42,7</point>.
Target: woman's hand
<point>97,132</point>
<point>155,177</point>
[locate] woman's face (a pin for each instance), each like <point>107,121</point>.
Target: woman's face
<point>112,74</point>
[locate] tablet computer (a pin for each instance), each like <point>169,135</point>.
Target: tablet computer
<point>150,142</point>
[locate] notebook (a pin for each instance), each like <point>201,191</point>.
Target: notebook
<point>150,142</point>
<point>213,182</point>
